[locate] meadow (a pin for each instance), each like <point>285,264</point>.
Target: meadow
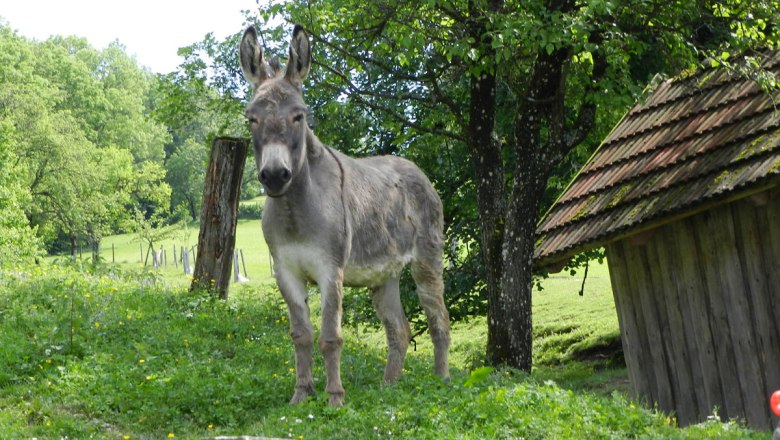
<point>123,352</point>
<point>128,252</point>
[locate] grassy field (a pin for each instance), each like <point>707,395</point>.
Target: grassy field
<point>127,251</point>
<point>87,354</point>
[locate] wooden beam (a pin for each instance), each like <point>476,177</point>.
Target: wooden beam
<point>641,238</point>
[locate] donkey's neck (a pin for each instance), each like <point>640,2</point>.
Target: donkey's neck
<point>315,194</point>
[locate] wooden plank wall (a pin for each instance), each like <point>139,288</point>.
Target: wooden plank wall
<point>699,312</point>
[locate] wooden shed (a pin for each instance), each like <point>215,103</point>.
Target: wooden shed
<point>684,195</point>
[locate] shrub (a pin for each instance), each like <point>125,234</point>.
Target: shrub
<point>250,211</point>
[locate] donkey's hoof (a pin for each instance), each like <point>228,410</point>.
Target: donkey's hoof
<point>300,395</point>
<point>336,400</point>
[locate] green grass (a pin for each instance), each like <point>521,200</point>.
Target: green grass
<point>93,356</point>
<point>127,252</point>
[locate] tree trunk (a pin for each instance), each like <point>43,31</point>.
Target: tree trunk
<point>489,172</point>
<point>93,239</point>
<point>219,214</point>
<point>191,207</point>
<point>538,140</point>
<point>513,343</point>
<point>94,244</point>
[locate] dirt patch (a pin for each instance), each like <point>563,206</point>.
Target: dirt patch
<point>609,353</point>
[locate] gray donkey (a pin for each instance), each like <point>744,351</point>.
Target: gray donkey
<point>333,220</point>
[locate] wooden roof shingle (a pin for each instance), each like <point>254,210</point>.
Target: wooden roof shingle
<point>694,143</point>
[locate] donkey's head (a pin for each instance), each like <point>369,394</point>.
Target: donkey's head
<point>276,112</point>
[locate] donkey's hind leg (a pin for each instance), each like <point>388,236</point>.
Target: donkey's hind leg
<point>387,302</point>
<point>427,274</point>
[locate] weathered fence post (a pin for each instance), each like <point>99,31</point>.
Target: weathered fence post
<point>243,263</point>
<point>185,262</point>
<point>237,277</point>
<point>218,217</point>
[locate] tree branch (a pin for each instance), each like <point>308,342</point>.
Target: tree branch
<point>586,116</point>
<point>359,94</point>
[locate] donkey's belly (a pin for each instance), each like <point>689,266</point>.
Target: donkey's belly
<point>375,273</point>
<point>312,264</point>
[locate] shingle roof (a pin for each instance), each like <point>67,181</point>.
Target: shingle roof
<point>694,142</point>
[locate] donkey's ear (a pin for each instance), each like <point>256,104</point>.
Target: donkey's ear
<point>300,56</point>
<point>251,55</point>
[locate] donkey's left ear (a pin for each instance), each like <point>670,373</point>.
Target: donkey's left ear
<point>300,56</point>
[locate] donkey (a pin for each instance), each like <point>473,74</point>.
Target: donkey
<point>336,221</point>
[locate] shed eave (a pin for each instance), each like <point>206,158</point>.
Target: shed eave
<point>556,261</point>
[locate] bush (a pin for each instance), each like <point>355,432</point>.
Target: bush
<point>250,211</point>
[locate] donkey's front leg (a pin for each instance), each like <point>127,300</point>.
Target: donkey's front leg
<point>331,338</point>
<point>294,292</point>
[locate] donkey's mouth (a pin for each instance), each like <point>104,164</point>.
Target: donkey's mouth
<point>275,193</point>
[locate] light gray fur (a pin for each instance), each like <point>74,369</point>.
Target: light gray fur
<point>333,220</point>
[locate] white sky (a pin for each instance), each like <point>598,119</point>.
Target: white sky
<point>150,30</point>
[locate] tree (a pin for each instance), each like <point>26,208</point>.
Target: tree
<point>520,85</point>
<point>185,173</point>
<point>18,241</point>
<point>78,129</point>
<point>197,104</point>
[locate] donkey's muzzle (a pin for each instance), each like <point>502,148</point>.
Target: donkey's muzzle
<point>275,180</point>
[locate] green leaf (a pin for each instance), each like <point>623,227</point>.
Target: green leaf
<point>478,376</point>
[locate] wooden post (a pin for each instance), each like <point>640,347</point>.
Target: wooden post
<point>185,262</point>
<point>113,255</point>
<point>243,263</point>
<point>175,261</point>
<point>236,271</point>
<point>218,217</point>
<point>149,250</point>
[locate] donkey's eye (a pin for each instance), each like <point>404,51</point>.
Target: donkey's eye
<point>298,118</point>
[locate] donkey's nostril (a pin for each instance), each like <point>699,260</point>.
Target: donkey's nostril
<point>263,176</point>
<point>285,175</point>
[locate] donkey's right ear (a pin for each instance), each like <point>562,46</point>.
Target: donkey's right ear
<point>251,55</point>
